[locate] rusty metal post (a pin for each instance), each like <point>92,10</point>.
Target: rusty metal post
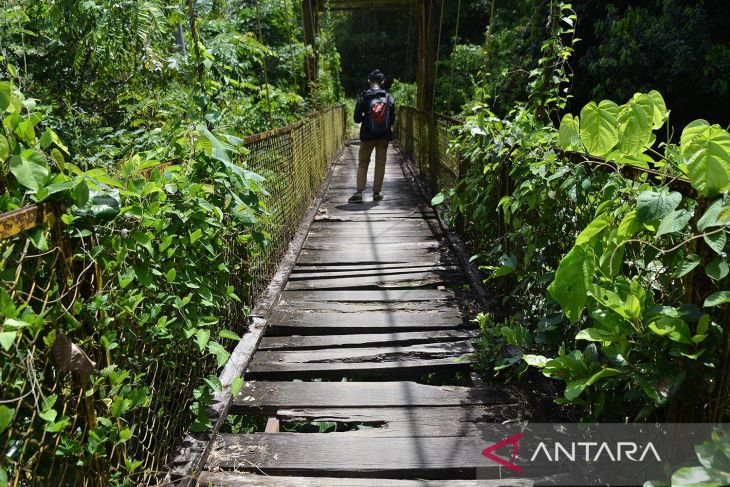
<point>427,52</point>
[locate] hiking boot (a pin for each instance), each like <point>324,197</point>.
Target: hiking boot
<point>377,196</point>
<point>356,198</point>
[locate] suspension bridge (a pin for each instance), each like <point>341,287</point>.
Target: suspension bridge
<point>361,322</point>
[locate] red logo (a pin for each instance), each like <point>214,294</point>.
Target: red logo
<point>512,440</point>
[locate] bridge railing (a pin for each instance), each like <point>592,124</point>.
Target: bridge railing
<point>425,138</point>
<point>40,447</point>
<point>293,160</point>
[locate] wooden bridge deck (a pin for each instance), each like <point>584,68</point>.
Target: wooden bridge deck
<point>369,333</point>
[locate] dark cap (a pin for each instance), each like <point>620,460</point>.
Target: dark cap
<point>376,76</point>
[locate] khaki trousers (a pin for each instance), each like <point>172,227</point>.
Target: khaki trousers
<point>366,149</point>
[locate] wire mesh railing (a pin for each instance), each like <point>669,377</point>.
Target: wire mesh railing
<point>53,429</point>
<point>424,137</point>
<point>293,160</point>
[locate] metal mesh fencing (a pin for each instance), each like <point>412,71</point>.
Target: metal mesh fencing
<point>425,138</point>
<point>293,160</point>
<point>39,447</point>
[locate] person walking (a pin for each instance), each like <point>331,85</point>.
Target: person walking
<point>375,112</point>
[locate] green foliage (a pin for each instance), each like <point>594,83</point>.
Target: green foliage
<point>162,290</point>
<point>403,93</point>
<point>676,47</point>
<point>714,468</point>
<point>500,346</point>
<point>623,259</point>
<point>161,216</point>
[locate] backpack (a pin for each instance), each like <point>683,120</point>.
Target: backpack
<point>379,114</point>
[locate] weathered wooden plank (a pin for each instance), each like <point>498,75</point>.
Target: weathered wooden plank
<point>364,340</point>
<point>318,323</point>
<point>392,317</point>
<point>358,307</point>
<point>336,272</point>
<point>404,227</point>
<point>363,267</point>
<point>370,255</point>
<point>383,295</point>
<point>372,243</point>
<point>348,240</point>
<point>406,233</point>
<point>263,358</point>
<point>344,455</point>
<point>403,422</point>
<point>341,217</point>
<point>389,274</point>
<point>385,280</point>
<point>264,397</point>
<point>405,369</point>
<point>246,479</point>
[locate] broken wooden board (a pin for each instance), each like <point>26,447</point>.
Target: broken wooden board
<point>401,369</point>
<point>385,280</point>
<point>365,270</point>
<point>364,340</point>
<point>266,397</point>
<point>402,422</point>
<point>344,355</point>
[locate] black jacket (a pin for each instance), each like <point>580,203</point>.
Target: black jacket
<point>361,113</point>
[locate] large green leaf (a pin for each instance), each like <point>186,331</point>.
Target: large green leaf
<point>674,222</point>
<point>569,135</point>
<point>30,169</point>
<point>706,154</point>
<point>660,112</point>
<point>572,279</point>
<point>599,127</point>
<point>635,119</point>
<point>716,299</point>
<point>593,229</point>
<point>654,205</point>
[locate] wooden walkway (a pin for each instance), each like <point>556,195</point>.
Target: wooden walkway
<point>369,335</point>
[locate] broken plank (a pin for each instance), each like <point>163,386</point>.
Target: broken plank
<point>365,270</point>
<point>364,340</point>
<point>403,422</point>
<point>317,323</point>
<point>265,397</point>
<point>364,354</point>
<point>386,280</point>
<point>411,369</point>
